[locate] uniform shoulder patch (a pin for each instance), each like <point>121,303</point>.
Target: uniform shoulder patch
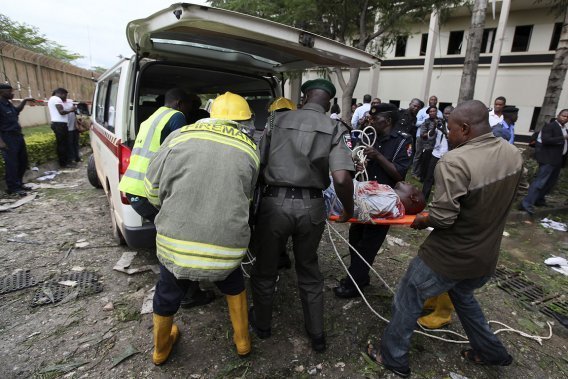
<point>347,141</point>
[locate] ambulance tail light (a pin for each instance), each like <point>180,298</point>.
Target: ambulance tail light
<point>124,153</point>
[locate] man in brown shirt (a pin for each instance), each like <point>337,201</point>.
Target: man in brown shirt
<point>468,213</point>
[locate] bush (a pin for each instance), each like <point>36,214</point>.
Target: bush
<point>41,148</point>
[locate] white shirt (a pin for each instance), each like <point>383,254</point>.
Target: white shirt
<point>54,114</point>
<point>494,119</point>
<point>441,146</point>
<point>359,113</point>
<point>67,105</point>
<point>335,116</point>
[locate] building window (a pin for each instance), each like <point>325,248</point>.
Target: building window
<point>522,38</point>
<point>455,42</point>
<point>423,44</point>
<point>488,40</point>
<point>395,102</point>
<point>536,113</point>
<point>555,36</point>
<point>400,48</point>
<point>442,106</point>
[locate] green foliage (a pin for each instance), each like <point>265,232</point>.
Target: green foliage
<point>30,38</point>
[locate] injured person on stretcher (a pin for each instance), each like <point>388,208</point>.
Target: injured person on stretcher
<point>378,201</point>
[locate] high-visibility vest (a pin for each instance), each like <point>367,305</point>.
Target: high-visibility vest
<point>146,145</point>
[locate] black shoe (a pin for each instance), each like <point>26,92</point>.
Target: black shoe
<point>346,289</point>
<point>19,192</point>
<point>197,299</point>
<point>260,333</point>
<point>318,343</point>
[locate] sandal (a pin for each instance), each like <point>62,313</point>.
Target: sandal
<point>474,357</point>
<point>373,354</point>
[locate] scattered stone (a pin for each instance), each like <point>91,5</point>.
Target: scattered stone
<point>453,375</point>
<point>81,244</point>
<point>396,241</point>
<point>68,283</point>
<point>319,367</point>
<point>340,365</point>
<point>195,376</point>
<point>506,234</point>
<point>312,371</point>
<point>299,368</point>
<point>109,306</point>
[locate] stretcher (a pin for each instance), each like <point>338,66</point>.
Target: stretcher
<point>405,220</point>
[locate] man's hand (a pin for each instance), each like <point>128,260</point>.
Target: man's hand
<point>372,153</point>
<point>421,221</point>
<point>360,166</point>
<point>29,99</point>
<point>344,217</point>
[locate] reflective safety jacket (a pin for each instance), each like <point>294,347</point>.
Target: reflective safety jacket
<point>202,179</point>
<point>146,144</point>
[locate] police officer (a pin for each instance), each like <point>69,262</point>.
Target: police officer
<point>388,162</point>
<point>297,156</point>
<point>151,134</point>
<point>12,142</point>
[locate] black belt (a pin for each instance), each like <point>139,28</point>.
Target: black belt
<point>293,192</point>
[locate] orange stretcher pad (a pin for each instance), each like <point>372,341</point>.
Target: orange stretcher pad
<point>406,220</point>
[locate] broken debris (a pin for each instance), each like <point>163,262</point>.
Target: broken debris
<point>18,203</point>
<point>558,264</point>
<point>551,224</point>
<point>123,264</point>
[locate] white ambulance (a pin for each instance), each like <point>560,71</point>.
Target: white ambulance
<point>204,51</point>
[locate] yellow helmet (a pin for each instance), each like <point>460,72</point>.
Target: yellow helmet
<point>230,106</point>
<point>281,103</point>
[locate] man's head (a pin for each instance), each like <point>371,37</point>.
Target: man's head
<point>510,114</point>
<point>353,107</point>
<point>6,91</point>
<point>432,112</point>
<point>61,93</point>
<point>376,101</point>
<point>433,101</point>
<point>468,120</point>
<point>411,197</point>
<point>414,106</point>
<point>178,99</point>
<point>367,99</point>
<point>447,111</point>
<point>562,117</point>
<point>383,117</point>
<point>499,104</point>
<point>319,91</point>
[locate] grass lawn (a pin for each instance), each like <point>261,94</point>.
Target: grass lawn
<point>30,130</point>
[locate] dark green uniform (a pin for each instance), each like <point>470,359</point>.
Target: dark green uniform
<point>298,155</point>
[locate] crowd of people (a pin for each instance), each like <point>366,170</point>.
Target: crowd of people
<point>273,191</point>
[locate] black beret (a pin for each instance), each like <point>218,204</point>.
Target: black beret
<point>382,108</point>
<point>322,84</point>
<point>510,109</point>
<point>5,86</point>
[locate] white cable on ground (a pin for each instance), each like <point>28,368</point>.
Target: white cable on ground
<point>507,328</point>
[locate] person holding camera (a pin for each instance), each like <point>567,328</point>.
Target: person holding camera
<point>428,136</point>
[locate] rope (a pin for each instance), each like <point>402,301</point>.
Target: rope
<point>423,332</point>
<point>358,153</point>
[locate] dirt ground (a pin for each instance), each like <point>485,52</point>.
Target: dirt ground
<point>83,338</point>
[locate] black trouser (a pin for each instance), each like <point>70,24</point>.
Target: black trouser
<point>62,141</point>
<point>429,177</point>
<point>15,159</point>
<point>73,148</point>
<point>367,239</point>
<point>170,290</point>
<point>281,216</point>
<point>142,206</point>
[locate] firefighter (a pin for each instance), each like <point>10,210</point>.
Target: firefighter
<point>202,180</point>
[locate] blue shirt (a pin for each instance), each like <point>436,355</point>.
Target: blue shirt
<point>9,117</point>
<point>175,122</point>
<point>511,129</point>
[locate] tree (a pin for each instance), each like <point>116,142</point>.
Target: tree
<point>558,69</point>
<point>475,35</point>
<point>30,38</point>
<point>370,25</point>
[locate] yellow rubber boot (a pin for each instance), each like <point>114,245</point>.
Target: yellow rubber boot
<point>166,334</point>
<point>430,303</point>
<point>239,318</point>
<point>442,314</point>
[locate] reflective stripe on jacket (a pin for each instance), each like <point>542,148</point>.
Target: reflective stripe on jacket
<point>202,179</point>
<point>146,145</point>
